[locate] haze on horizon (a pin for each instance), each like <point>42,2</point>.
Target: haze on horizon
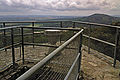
<point>59,7</point>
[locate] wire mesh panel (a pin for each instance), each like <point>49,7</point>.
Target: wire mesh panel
<point>55,24</point>
<point>1,39</point>
<point>39,36</point>
<point>35,54</point>
<point>67,35</point>
<point>106,43</point>
<point>27,33</point>
<point>67,24</point>
<point>1,25</point>
<point>17,43</point>
<point>5,58</point>
<point>22,43</point>
<point>7,37</point>
<point>42,44</point>
<point>44,40</point>
<point>59,65</point>
<point>74,70</point>
<point>9,48</point>
<point>5,51</point>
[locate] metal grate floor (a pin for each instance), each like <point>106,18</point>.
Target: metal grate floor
<point>57,68</point>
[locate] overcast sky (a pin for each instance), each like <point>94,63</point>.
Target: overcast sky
<point>59,7</point>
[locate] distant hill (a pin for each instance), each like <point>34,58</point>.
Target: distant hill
<point>33,17</point>
<point>99,18</point>
<point>117,15</point>
<point>95,18</point>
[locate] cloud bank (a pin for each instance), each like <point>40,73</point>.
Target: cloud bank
<point>57,5</point>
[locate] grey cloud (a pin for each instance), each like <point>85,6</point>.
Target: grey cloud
<point>56,5</point>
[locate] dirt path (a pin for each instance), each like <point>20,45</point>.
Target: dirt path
<point>96,66</point>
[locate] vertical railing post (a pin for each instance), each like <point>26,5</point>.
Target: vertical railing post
<point>12,43</point>
<point>4,33</point>
<point>89,40</point>
<point>33,33</point>
<point>60,37</point>
<point>20,50</point>
<point>116,46</point>
<point>73,25</point>
<point>80,52</point>
<point>22,44</point>
<point>61,24</point>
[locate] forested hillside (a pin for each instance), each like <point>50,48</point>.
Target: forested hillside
<point>99,18</point>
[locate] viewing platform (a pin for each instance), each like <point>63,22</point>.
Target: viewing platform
<point>57,53</point>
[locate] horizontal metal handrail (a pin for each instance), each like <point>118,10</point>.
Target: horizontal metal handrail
<point>7,47</point>
<point>52,21</point>
<point>115,45</point>
<point>49,21</point>
<point>8,65</point>
<point>96,24</point>
<point>57,28</point>
<point>46,45</point>
<point>99,40</point>
<point>11,27</point>
<point>31,71</point>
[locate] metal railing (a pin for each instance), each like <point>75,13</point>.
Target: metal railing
<point>7,42</point>
<point>13,45</point>
<point>115,45</point>
<point>23,32</point>
<point>57,59</point>
<point>11,34</point>
<point>73,23</point>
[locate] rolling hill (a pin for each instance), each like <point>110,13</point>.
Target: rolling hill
<point>99,18</point>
